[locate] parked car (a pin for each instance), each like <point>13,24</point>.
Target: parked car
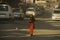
<point>17,13</point>
<point>6,11</point>
<point>56,14</point>
<point>30,10</point>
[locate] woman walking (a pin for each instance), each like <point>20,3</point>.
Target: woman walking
<point>31,24</point>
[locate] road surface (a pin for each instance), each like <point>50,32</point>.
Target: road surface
<point>19,30</point>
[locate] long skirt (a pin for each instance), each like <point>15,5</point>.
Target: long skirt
<point>31,28</point>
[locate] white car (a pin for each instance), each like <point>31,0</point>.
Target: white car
<point>30,10</point>
<point>56,14</point>
<point>6,11</point>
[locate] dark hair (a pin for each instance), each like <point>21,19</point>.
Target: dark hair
<point>32,19</point>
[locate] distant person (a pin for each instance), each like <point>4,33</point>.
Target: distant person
<point>31,24</point>
<point>21,17</point>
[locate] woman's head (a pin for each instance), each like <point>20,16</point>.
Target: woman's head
<point>31,15</point>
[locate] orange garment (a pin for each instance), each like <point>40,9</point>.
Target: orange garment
<point>31,28</point>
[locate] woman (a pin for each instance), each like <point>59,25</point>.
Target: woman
<point>31,24</point>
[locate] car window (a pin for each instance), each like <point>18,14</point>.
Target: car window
<point>56,11</point>
<point>3,8</point>
<point>30,9</point>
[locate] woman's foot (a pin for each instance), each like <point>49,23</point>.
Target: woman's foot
<point>31,35</point>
